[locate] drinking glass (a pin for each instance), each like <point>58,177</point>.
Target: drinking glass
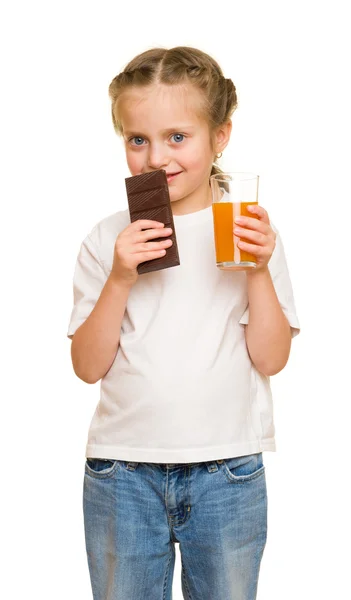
<point>232,193</point>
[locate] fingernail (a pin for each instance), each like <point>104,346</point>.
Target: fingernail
<point>237,230</point>
<point>238,220</point>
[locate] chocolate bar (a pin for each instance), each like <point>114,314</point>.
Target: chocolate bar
<point>148,198</point>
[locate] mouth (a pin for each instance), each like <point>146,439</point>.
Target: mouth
<point>171,176</point>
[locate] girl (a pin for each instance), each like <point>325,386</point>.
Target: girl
<point>174,451</point>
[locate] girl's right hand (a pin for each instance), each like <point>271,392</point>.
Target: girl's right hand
<point>133,247</point>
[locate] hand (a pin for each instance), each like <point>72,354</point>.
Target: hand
<point>133,247</point>
<point>258,233</point>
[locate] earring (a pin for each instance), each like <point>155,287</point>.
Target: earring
<point>219,155</point>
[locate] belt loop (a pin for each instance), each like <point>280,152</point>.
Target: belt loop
<point>131,466</point>
<point>212,466</point>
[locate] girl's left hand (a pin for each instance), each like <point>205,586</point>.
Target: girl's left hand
<point>258,234</point>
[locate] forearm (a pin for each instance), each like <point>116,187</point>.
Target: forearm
<point>268,334</point>
<point>96,341</point>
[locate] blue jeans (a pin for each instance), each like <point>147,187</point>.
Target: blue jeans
<point>135,512</point>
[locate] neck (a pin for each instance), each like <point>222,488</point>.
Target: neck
<point>199,200</point>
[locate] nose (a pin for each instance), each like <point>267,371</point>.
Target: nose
<point>157,157</point>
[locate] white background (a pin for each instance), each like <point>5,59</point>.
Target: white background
<point>63,170</point>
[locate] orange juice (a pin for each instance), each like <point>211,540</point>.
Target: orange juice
<point>227,250</point>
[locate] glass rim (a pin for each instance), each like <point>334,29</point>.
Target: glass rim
<point>227,176</point>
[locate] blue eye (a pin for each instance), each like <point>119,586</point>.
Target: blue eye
<point>138,139</point>
<point>177,136</point>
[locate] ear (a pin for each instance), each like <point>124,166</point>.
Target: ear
<point>222,136</point>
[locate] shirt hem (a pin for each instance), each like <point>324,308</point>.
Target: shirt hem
<point>163,455</point>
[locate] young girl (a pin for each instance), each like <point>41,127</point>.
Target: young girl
<point>184,354</point>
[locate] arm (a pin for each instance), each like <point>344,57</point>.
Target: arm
<point>268,335</point>
<point>102,303</point>
<point>96,341</point>
<point>268,331</point>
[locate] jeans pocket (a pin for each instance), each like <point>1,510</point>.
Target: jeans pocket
<point>100,467</point>
<point>240,469</point>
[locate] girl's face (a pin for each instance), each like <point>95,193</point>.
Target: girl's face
<point>163,129</point>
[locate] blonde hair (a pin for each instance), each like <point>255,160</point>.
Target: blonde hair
<point>173,67</point>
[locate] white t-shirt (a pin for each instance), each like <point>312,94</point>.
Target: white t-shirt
<point>182,387</point>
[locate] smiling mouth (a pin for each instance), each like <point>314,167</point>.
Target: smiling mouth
<point>171,175</point>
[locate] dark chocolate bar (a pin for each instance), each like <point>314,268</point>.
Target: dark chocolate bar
<point>148,198</point>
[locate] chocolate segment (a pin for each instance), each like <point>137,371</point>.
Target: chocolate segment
<point>148,198</point>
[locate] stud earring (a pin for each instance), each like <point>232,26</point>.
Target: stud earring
<point>219,155</point>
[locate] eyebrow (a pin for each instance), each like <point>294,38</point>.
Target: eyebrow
<point>165,131</point>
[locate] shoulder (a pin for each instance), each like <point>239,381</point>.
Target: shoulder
<point>274,227</point>
<point>105,232</point>
<point>102,238</point>
<point>108,228</point>
<point>277,262</point>
<point>278,240</point>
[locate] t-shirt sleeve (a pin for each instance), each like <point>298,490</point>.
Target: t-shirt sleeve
<point>88,280</point>
<point>281,280</point>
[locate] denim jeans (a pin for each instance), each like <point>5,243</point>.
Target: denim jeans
<point>135,513</point>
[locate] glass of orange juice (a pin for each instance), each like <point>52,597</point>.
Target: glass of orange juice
<point>232,193</point>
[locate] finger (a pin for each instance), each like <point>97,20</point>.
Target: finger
<point>252,223</point>
<point>145,224</point>
<point>150,234</point>
<point>252,236</point>
<point>143,256</point>
<point>258,210</point>
<point>150,246</point>
<point>251,248</point>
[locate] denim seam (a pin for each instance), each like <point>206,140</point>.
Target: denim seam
<point>166,576</point>
<point>185,583</point>
<point>101,474</point>
<point>244,478</point>
<point>169,518</point>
